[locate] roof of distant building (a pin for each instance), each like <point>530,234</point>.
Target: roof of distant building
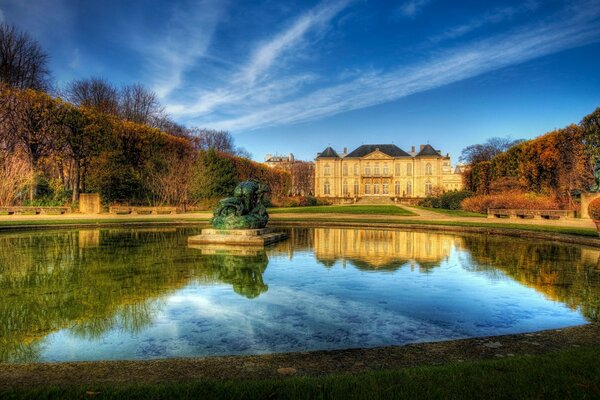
<point>390,149</point>
<point>328,153</point>
<point>427,150</point>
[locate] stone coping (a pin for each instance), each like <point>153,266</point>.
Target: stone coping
<point>317,363</point>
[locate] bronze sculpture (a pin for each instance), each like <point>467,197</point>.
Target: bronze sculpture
<point>245,210</point>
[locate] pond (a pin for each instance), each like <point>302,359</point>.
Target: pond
<point>105,294</point>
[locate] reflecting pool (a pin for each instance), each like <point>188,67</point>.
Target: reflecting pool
<point>143,293</point>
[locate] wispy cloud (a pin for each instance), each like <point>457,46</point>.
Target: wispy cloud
<point>183,40</point>
<point>495,16</point>
<point>250,82</point>
<point>574,28</point>
<point>412,8</point>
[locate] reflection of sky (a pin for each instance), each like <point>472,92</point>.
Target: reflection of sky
<point>309,307</point>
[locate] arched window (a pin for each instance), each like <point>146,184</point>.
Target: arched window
<point>345,188</point>
<point>368,169</point>
<point>326,188</point>
<point>397,188</point>
<point>386,188</point>
<point>408,189</point>
<point>409,169</point>
<point>376,188</point>
<point>428,169</point>
<point>345,170</point>
<point>356,188</point>
<point>367,188</point>
<point>428,188</point>
<point>327,170</point>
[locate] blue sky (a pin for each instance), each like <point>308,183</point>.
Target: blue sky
<point>296,76</point>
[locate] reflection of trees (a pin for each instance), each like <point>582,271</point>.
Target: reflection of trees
<point>568,274</point>
<point>63,280</point>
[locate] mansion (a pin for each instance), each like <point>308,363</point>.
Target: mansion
<point>384,171</point>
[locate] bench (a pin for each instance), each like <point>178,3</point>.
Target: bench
<point>18,210</point>
<point>530,214</point>
<point>133,210</point>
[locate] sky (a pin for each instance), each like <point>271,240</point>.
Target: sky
<point>297,76</point>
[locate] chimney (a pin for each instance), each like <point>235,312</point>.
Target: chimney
<point>345,150</point>
<point>422,147</point>
<point>413,149</point>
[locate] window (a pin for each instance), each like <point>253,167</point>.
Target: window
<point>326,188</point>
<point>386,171</point>
<point>368,169</point>
<point>376,188</point>
<point>376,169</point>
<point>397,188</point>
<point>408,189</point>
<point>427,169</point>
<point>386,188</point>
<point>367,188</point>
<point>409,169</point>
<point>428,188</point>
<point>327,170</point>
<point>345,170</point>
<point>345,188</point>
<point>398,173</point>
<point>355,169</point>
<point>356,188</point>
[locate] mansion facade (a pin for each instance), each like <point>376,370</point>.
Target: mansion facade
<point>384,170</point>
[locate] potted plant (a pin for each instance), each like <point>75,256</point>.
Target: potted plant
<point>594,212</point>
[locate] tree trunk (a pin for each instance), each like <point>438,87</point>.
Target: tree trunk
<point>77,173</point>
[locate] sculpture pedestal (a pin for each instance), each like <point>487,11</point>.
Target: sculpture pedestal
<point>586,199</point>
<point>238,237</point>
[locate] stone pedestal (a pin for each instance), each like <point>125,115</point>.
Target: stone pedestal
<point>237,237</point>
<point>586,199</point>
<point>89,203</point>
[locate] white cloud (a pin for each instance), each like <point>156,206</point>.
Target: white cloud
<point>451,66</point>
<point>250,82</point>
<point>185,39</point>
<point>495,16</point>
<point>412,8</point>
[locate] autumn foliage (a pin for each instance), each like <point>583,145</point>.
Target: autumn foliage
<point>542,173</point>
<point>594,209</point>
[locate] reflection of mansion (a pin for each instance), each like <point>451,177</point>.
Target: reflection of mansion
<point>383,249</point>
<point>384,171</point>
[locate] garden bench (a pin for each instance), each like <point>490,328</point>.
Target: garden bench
<point>530,214</point>
<point>141,210</point>
<point>18,210</point>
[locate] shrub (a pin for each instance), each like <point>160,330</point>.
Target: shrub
<point>448,201</point>
<point>514,200</point>
<point>594,209</point>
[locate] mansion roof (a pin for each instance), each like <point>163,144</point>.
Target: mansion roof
<point>388,149</point>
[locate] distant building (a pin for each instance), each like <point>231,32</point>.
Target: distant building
<point>384,171</point>
<point>277,161</point>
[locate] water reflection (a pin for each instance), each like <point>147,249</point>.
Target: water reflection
<point>91,283</point>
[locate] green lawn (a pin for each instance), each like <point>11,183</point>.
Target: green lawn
<point>568,374</point>
<point>454,213</point>
<point>350,209</point>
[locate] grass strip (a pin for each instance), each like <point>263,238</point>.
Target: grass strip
<point>99,221</point>
<point>573,373</point>
<point>350,209</point>
<point>453,213</point>
<point>533,228</point>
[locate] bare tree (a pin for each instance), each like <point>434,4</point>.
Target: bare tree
<point>94,93</point>
<point>221,141</point>
<point>488,150</point>
<point>23,64</point>
<point>15,175</point>
<point>138,104</point>
<point>303,177</point>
